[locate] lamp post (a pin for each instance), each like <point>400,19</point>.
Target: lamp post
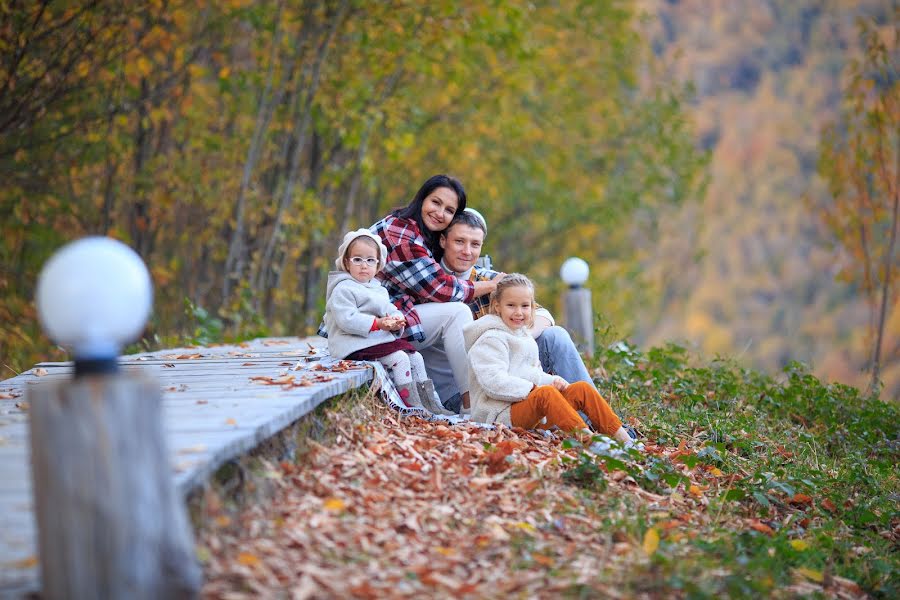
<point>577,304</point>
<point>110,524</point>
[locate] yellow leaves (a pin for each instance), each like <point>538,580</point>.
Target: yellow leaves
<point>651,541</point>
<point>525,526</point>
<point>811,574</point>
<point>224,72</point>
<point>196,71</point>
<point>334,505</point>
<point>799,545</point>
<point>144,66</point>
<point>695,491</point>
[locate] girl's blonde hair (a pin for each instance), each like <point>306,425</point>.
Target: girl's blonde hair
<point>509,281</point>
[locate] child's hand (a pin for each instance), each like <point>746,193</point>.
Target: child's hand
<point>391,323</point>
<point>560,384</point>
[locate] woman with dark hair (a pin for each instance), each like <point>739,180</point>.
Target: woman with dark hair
<point>433,302</point>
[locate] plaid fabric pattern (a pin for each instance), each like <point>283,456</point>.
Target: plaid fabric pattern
<point>411,274</point>
<point>482,304</point>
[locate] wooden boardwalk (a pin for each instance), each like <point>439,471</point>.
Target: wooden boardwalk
<point>213,410</point>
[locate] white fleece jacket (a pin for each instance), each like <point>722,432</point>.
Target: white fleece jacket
<point>350,308</point>
<point>503,368</point>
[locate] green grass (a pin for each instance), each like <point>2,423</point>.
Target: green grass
<point>815,462</point>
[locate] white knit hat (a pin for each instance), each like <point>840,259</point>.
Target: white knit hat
<point>478,215</point>
<point>348,239</point>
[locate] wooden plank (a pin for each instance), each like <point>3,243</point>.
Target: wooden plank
<point>200,396</point>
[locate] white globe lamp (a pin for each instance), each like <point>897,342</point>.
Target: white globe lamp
<point>94,296</point>
<point>574,272</point>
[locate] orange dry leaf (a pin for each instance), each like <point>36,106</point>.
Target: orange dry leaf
<point>828,505</point>
<point>761,527</point>
<point>543,560</point>
<point>26,563</point>
<point>800,499</point>
<point>245,558</point>
<point>7,396</point>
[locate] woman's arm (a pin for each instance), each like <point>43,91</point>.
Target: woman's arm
<point>412,267</point>
<point>489,363</point>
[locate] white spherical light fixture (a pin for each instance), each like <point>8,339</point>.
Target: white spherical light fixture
<point>94,296</point>
<point>574,272</point>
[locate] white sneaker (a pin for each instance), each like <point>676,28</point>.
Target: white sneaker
<point>609,447</point>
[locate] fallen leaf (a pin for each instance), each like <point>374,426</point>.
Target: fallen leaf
<point>651,541</point>
<point>245,558</point>
<point>828,505</point>
<point>230,422</point>
<point>761,527</point>
<point>168,365</point>
<point>695,490</point>
<point>40,372</point>
<point>26,563</point>
<point>811,574</point>
<point>542,559</point>
<point>22,405</point>
<point>800,499</point>
<point>334,504</point>
<point>8,396</point>
<point>799,545</point>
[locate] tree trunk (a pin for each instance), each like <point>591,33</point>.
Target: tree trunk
<point>268,101</point>
<point>888,266</point>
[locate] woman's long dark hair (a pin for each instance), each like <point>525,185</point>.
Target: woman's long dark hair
<point>414,209</point>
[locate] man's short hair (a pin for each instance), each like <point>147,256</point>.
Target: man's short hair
<point>467,217</point>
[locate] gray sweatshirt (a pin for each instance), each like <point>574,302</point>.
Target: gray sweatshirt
<point>350,308</point>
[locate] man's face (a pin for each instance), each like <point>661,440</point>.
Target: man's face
<point>462,246</point>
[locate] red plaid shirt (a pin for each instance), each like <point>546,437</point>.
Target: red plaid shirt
<point>411,274</point>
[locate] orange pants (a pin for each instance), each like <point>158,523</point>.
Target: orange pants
<point>559,408</point>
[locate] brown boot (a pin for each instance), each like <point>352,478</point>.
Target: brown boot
<point>429,399</point>
<point>409,393</point>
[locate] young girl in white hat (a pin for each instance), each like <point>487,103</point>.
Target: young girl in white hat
<point>363,324</point>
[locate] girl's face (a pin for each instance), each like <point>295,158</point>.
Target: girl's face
<point>516,307</point>
<point>438,208</point>
<point>361,260</point>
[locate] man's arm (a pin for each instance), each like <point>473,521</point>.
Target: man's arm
<point>542,320</point>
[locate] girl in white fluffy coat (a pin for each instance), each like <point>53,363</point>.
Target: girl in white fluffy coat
<point>506,382</point>
<point>363,324</point>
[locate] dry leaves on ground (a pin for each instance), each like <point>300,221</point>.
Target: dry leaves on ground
<point>404,507</point>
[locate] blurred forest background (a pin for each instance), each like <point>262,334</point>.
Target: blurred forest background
<point>674,145</point>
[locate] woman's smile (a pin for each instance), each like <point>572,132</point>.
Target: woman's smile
<point>438,209</point>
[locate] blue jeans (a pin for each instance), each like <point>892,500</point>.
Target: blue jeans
<point>560,356</point>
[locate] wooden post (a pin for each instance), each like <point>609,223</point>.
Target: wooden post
<point>579,318</point>
<point>110,524</point>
